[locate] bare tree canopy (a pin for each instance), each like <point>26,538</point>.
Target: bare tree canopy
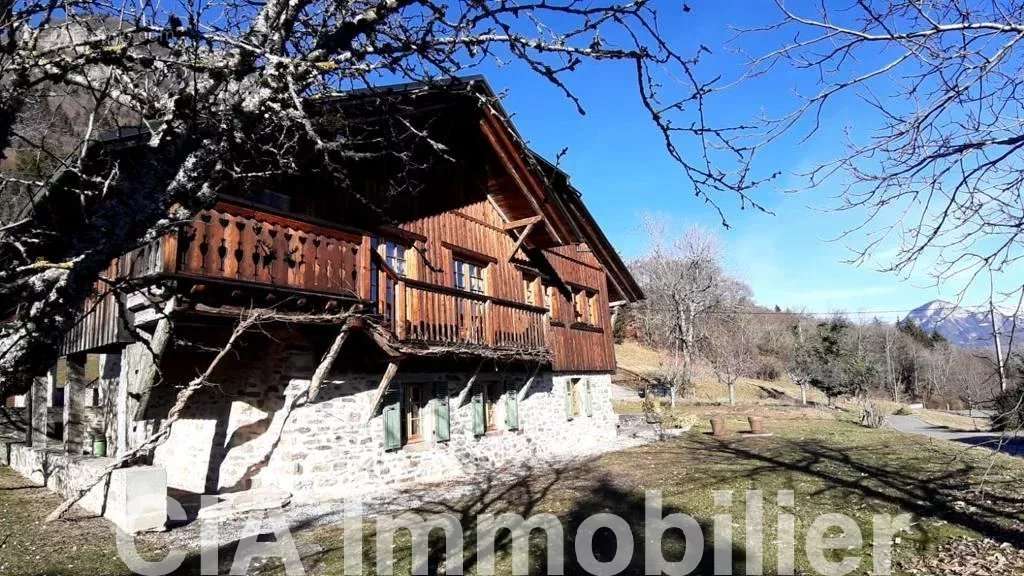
<point>222,95</point>
<point>933,156</point>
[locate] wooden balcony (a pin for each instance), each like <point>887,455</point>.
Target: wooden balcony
<point>236,245</point>
<point>439,314</point>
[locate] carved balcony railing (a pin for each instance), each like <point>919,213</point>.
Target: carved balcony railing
<point>235,244</point>
<point>439,314</point>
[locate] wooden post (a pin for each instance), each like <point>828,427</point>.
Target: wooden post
<point>400,311</point>
<point>382,388</point>
<point>326,363</point>
<point>365,254</point>
<point>529,382</point>
<point>169,252</point>
<point>489,336</point>
<point>465,392</point>
<point>519,241</point>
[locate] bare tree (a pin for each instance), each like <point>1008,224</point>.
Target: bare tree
<point>684,281</point>
<point>934,168</point>
<point>225,94</point>
<point>730,347</point>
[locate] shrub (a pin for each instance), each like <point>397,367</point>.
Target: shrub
<point>903,411</point>
<point>675,376</point>
<point>873,415</point>
<point>651,407</point>
<point>1009,410</point>
<point>678,420</point>
<point>768,369</point>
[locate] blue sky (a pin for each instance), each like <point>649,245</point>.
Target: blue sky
<point>615,157</point>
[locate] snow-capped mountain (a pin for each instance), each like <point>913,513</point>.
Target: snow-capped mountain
<point>970,328</point>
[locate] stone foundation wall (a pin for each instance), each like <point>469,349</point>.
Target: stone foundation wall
<point>241,435</point>
<point>13,422</point>
<point>135,499</point>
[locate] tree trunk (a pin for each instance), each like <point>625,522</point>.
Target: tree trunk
<point>732,393</point>
<point>803,393</point>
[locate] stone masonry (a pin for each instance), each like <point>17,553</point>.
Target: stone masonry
<point>240,436</point>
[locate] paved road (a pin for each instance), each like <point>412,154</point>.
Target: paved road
<point>623,393</point>
<point>991,440</point>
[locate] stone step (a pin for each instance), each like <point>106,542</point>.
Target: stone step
<point>266,498</point>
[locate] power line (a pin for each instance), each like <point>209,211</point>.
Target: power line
<point>829,313</point>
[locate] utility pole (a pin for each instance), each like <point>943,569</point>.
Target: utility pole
<point>999,347</point>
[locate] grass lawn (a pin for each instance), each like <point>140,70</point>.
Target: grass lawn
<point>831,465</point>
<point>27,546</point>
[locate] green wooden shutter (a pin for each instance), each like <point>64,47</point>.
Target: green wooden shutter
<point>568,399</point>
<point>442,413</point>
<point>589,398</point>
<point>511,407</point>
<point>392,413</point>
<point>479,425</point>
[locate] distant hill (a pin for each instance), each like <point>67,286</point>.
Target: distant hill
<point>967,328</point>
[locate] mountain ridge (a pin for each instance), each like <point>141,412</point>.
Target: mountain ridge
<point>960,326</point>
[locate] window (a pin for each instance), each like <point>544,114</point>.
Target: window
<point>394,255</point>
<point>492,396</point>
<point>469,276</point>
<point>572,398</point>
<point>577,398</point>
<point>415,400</point>
<point>485,408</point>
<point>580,308</point>
<point>530,289</point>
<point>585,307</point>
<point>549,299</point>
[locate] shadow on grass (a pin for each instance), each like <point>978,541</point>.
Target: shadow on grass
<point>928,483</point>
<point>572,494</point>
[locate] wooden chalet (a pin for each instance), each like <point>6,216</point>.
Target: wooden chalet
<point>488,279</point>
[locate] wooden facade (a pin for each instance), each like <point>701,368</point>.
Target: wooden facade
<point>510,263</point>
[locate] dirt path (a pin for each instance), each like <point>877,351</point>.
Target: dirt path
<point>1013,445</point>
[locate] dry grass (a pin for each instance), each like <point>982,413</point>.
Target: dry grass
<point>80,546</point>
<point>634,357</point>
<point>832,467</point>
<point>954,421</point>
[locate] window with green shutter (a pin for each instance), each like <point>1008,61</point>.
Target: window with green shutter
<point>479,413</point>
<point>571,406</point>
<point>442,413</point>
<point>392,417</point>
<point>511,407</point>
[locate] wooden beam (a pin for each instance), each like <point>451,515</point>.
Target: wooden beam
<point>520,223</point>
<point>382,388</point>
<point>519,242</point>
<point>529,382</point>
<point>326,363</point>
<point>461,400</point>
